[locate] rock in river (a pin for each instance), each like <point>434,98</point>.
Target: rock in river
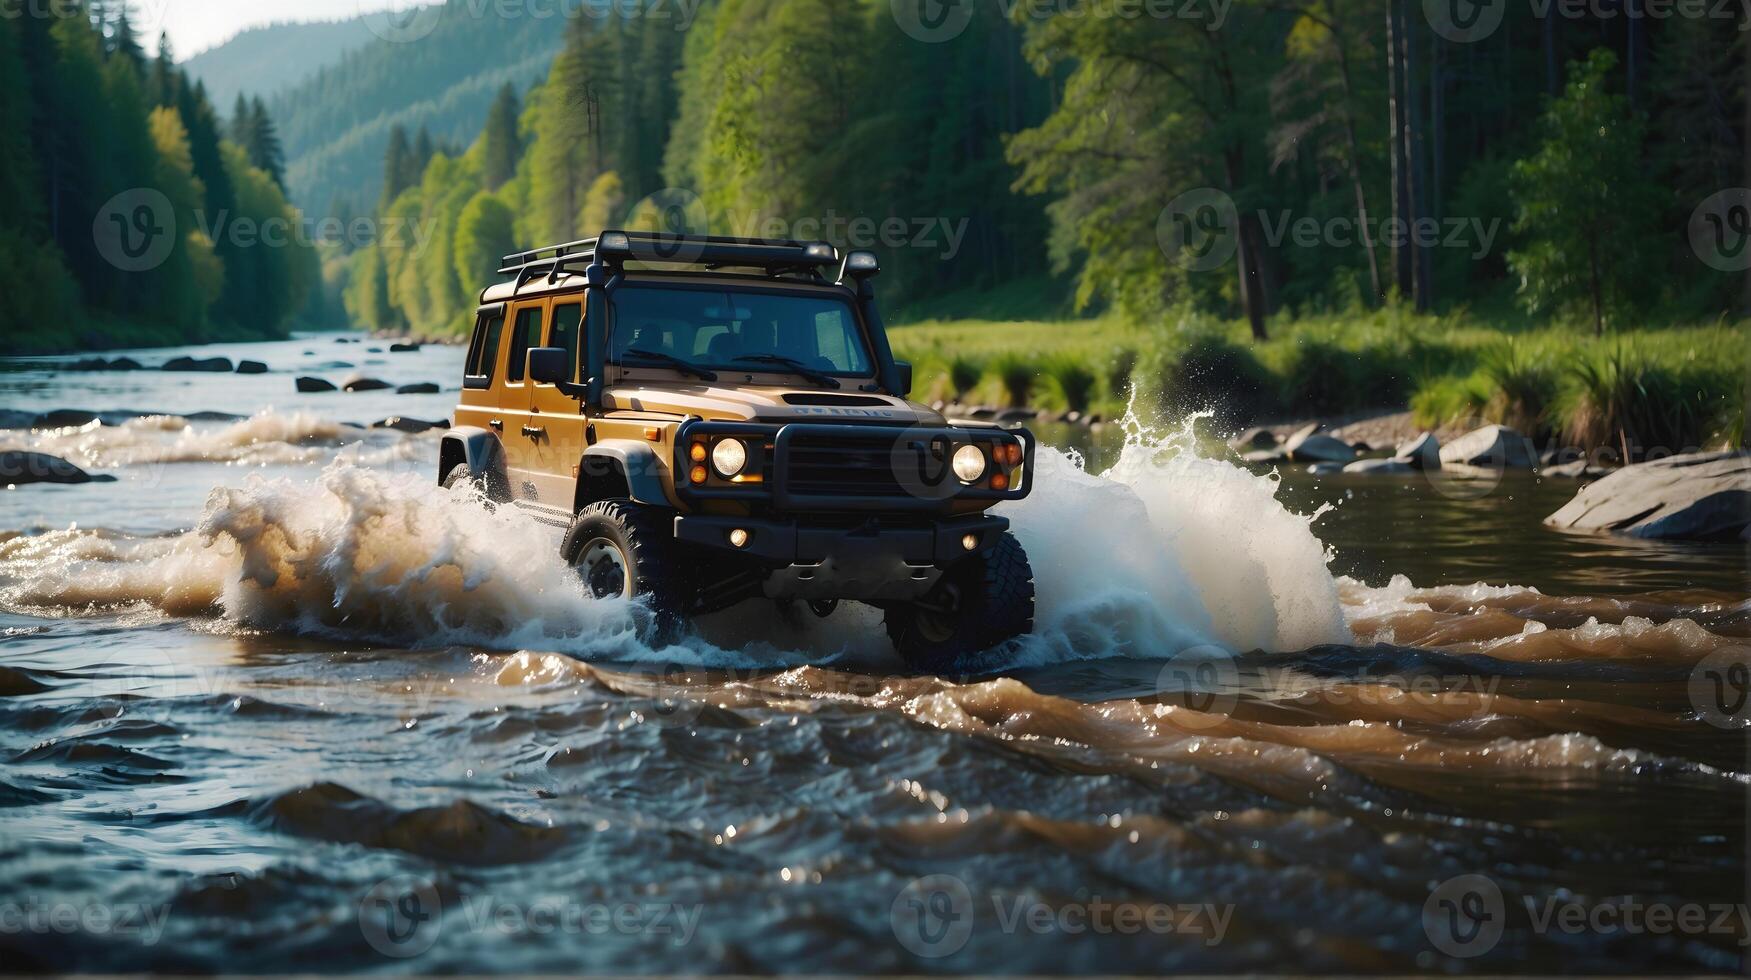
<point>1494,446</point>
<point>1423,452</point>
<point>251,367</point>
<point>311,385</point>
<point>1380,466</point>
<point>18,468</point>
<point>411,426</point>
<point>366,384</point>
<point>216,365</point>
<point>1311,446</point>
<point>1702,496</point>
<point>422,388</point>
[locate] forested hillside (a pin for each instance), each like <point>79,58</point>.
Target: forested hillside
<point>1340,155</point>
<point>336,122</point>
<point>130,212</point>
<point>264,60</point>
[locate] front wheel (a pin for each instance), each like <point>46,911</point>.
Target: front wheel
<point>625,550</point>
<point>978,604</point>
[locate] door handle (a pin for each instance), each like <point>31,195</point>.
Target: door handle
<point>498,425</point>
<point>534,431</point>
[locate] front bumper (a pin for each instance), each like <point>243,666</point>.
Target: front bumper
<point>867,562</point>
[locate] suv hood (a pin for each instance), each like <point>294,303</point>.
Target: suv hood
<point>768,404</point>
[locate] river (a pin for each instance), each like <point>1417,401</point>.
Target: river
<point>273,702</point>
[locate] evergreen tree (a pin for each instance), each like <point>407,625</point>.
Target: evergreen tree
<point>397,167</point>
<point>501,143</point>
<point>1584,212</point>
<point>263,144</point>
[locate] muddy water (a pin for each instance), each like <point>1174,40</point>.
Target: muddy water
<point>273,702</point>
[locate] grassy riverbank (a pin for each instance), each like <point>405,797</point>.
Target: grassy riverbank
<point>1675,387</point>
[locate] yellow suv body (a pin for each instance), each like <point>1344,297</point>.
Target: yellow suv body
<point>717,420</point>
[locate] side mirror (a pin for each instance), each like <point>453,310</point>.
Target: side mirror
<point>904,369</point>
<point>550,365</point>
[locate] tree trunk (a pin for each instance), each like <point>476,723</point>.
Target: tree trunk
<point>1252,301</point>
<point>1395,110</point>
<point>1415,190</point>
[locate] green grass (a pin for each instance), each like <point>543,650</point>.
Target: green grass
<point>1675,387</point>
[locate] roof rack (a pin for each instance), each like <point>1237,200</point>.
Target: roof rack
<point>774,255</point>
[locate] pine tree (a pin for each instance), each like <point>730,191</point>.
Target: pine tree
<point>263,143</point>
<point>397,165</point>
<point>502,143</point>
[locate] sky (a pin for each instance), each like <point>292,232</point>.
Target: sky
<point>195,25</point>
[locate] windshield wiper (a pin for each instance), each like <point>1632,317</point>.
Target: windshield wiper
<point>670,360</point>
<point>795,366</point>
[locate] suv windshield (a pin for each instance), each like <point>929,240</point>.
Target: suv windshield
<point>748,331</point>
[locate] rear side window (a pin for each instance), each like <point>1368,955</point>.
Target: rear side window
<point>567,320</point>
<point>527,334</point>
<point>483,353</point>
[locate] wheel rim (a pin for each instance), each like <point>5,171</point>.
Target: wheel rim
<point>937,615</point>
<point>604,569</point>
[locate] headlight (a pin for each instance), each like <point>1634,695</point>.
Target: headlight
<point>969,463</point>
<point>728,457</point>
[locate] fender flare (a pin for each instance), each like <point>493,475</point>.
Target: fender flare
<point>638,463</point>
<point>477,447</point>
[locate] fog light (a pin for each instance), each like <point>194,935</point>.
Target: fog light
<point>739,538</point>
<point>969,541</point>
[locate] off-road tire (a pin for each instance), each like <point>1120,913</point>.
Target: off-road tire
<point>645,538</point>
<point>490,485</point>
<point>996,603</point>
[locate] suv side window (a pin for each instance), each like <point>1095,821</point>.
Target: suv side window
<point>483,351</point>
<point>526,335</point>
<point>567,320</point>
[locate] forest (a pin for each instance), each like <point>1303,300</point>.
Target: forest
<point>131,211</point>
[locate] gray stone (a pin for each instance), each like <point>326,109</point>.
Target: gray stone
<point>1493,446</point>
<point>1380,466</point>
<point>20,468</point>
<point>1325,469</point>
<point>251,367</point>
<point>1256,438</point>
<point>407,348</point>
<point>366,384</point>
<point>413,426</point>
<point>214,365</point>
<point>1700,496</point>
<point>1265,456</point>
<point>1574,469</point>
<point>422,388</point>
<point>1311,446</point>
<point>311,385</point>
<point>1423,452</point>
<point>64,418</point>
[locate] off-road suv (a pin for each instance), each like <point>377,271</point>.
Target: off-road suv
<point>714,420</point>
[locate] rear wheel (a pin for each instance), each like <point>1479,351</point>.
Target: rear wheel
<point>977,605</point>
<point>625,550</point>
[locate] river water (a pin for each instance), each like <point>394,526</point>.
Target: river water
<point>273,701</point>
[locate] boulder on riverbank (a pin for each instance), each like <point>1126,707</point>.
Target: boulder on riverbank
<point>404,348</point>
<point>1494,447</point>
<point>103,364</point>
<point>212,365</point>
<point>366,384</point>
<point>251,367</point>
<point>422,388</point>
<point>1423,452</point>
<point>1379,467</point>
<point>314,385</point>
<point>1253,440</point>
<point>1311,446</point>
<point>1699,496</point>
<point>19,468</point>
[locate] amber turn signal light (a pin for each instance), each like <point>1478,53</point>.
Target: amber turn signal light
<point>999,481</point>
<point>1011,453</point>
<point>697,474</point>
<point>697,454</point>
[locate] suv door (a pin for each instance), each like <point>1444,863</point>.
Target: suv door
<point>527,320</point>
<point>559,446</point>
